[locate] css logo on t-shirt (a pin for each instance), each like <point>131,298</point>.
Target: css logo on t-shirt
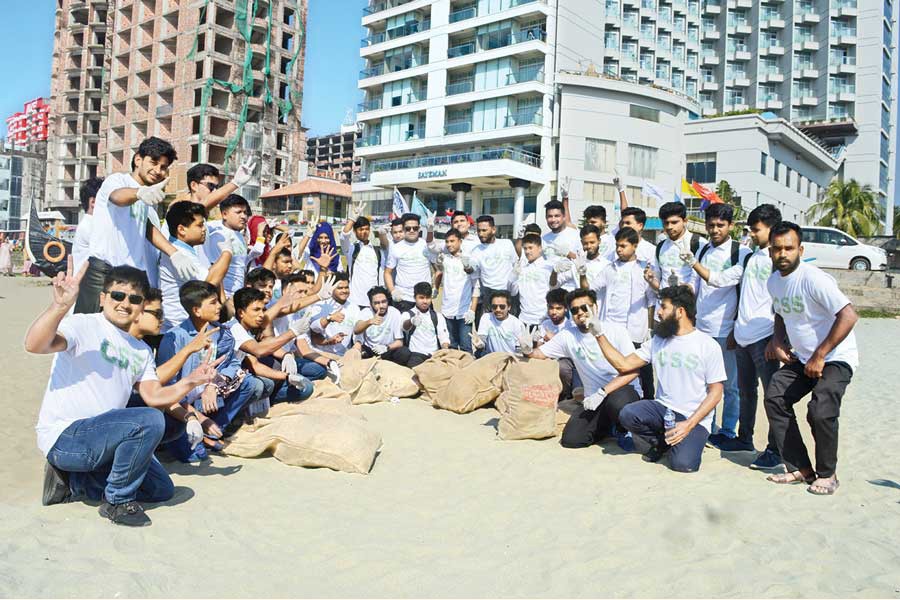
<point>495,331</point>
<point>677,360</point>
<point>587,354</point>
<point>760,270</point>
<point>123,358</point>
<point>789,305</point>
<point>491,260</point>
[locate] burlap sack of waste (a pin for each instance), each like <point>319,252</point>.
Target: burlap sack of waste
<point>311,440</point>
<point>327,399</point>
<point>530,392</point>
<point>396,380</point>
<point>476,385</point>
<point>434,374</point>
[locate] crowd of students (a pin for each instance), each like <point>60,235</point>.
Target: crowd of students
<point>174,337</point>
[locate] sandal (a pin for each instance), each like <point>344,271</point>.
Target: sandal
<point>791,478</point>
<point>213,444</point>
<point>827,489</point>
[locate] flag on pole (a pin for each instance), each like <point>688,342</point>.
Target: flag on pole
<point>651,191</point>
<point>708,195</point>
<point>687,191</point>
<point>399,207</point>
<point>419,208</point>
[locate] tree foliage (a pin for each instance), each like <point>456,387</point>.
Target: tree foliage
<point>850,207</point>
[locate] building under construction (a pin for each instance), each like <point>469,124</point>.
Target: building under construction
<point>335,152</point>
<point>217,78</point>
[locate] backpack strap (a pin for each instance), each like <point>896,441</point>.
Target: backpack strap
<point>357,248</point>
<point>434,321</point>
<point>695,243</point>
<point>704,251</point>
<point>659,250</point>
<point>735,252</point>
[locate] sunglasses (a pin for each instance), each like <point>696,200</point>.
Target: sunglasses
<point>496,306</point>
<point>414,228</point>
<point>210,186</point>
<point>579,309</point>
<point>132,298</point>
<point>156,313</point>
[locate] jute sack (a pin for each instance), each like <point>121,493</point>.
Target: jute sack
<point>530,392</point>
<point>333,441</point>
<point>434,374</point>
<point>395,380</point>
<point>327,399</point>
<point>476,385</point>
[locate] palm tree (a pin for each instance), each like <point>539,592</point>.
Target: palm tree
<point>896,221</point>
<point>850,207</point>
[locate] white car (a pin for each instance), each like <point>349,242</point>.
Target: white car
<point>832,248</point>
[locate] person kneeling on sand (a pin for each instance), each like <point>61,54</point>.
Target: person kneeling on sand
<point>689,370</point>
<point>95,446</point>
<point>425,327</point>
<point>380,329</point>
<point>606,392</point>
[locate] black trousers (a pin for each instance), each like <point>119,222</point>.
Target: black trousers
<point>788,386</point>
<point>645,376</point>
<point>88,301</point>
<point>566,375</point>
<point>402,356</point>
<point>590,426</point>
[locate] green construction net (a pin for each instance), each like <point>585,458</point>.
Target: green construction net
<point>244,15</point>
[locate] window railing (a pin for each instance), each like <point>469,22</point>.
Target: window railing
<point>370,105</point>
<point>373,71</point>
<point>458,127</point>
<point>397,32</point>
<point>531,73</point>
<point>843,60</point>
<point>843,31</point>
<point>463,14</point>
<point>461,50</point>
<point>843,88</point>
<point>461,86</point>
<point>524,117</point>
<point>375,7</point>
<point>417,133</point>
<point>449,158</point>
<point>770,97</point>
<point>369,140</point>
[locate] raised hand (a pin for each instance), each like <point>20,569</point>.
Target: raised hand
<point>202,340</point>
<point>301,326</point>
<point>65,285</point>
<point>152,195</point>
<point>244,173</point>
<point>327,288</point>
<point>377,320</point>
<point>563,265</point>
<point>324,260</point>
<point>687,258</point>
<point>594,324</point>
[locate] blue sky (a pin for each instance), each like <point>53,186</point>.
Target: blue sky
<point>332,60</point>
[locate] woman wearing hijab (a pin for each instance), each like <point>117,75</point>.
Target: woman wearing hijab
<point>323,242</point>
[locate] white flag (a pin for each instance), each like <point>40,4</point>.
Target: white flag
<point>400,207</point>
<point>651,191</point>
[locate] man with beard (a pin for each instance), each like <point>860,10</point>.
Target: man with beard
<point>494,259</point>
<point>689,370</point>
<point>561,241</point>
<point>460,222</point>
<point>380,329</point>
<point>818,319</point>
<point>407,264</point>
<point>606,392</point>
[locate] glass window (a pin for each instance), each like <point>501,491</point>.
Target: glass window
<point>599,155</point>
<point>763,158</point>
<point>775,172</point>
<point>787,177</point>
<point>642,112</point>
<point>701,168</point>
<point>809,235</point>
<point>641,161</point>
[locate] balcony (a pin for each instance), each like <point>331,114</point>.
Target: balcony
<point>526,74</point>
<point>461,86</point>
<point>742,55</point>
<point>739,81</point>
<point>376,7</point>
<point>808,44</point>
<point>844,38</point>
<point>463,14</point>
<point>807,17</point>
<point>771,76</point>
<point>709,86</point>
<point>396,33</point>
<point>709,59</point>
<point>461,50</point>
<point>846,64</point>
<point>808,100</point>
<point>711,33</point>
<point>450,158</point>
<point>525,117</point>
<point>774,50</point>
<point>712,8</point>
<point>370,105</point>
<point>773,23</point>
<point>373,71</point>
<point>769,101</point>
<point>806,73</point>
<point>458,127</point>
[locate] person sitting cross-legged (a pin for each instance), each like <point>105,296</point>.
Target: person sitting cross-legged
<point>380,329</point>
<point>689,370</point>
<point>95,446</point>
<point>498,331</point>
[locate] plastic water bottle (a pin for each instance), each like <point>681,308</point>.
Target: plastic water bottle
<point>668,419</point>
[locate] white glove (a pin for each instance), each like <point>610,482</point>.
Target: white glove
<point>593,401</point>
<point>594,324</point>
<point>536,335</point>
<point>225,247</point>
<point>301,326</point>
<point>244,173</point>
<point>417,319</point>
<point>563,266</point>
<point>617,181</point>
<point>439,262</point>
<point>517,270</point>
<point>194,432</point>
<point>526,345</point>
<point>334,369</point>
<point>378,349</point>
<point>386,229</point>
<point>688,258</point>
<point>297,381</point>
<point>289,364</point>
<point>477,342</point>
<point>152,195</point>
<point>469,317</point>
<point>520,232</point>
<point>326,289</point>
<point>397,295</point>
<point>429,222</point>
<point>581,264</point>
<point>466,261</point>
<point>184,265</point>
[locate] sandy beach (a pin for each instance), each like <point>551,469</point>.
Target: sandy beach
<point>450,511</point>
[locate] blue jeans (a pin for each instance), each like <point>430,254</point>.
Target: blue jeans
<point>731,406</point>
<point>644,419</point>
<point>251,389</point>
<point>110,456</point>
<point>281,391</point>
<point>753,368</point>
<point>459,335</point>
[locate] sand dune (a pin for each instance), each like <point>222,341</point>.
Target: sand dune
<point>450,511</point>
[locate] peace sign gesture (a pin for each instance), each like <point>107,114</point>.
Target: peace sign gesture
<point>65,285</point>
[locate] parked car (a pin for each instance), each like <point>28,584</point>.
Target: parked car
<point>832,248</point>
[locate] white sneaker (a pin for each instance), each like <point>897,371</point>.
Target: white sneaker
<point>334,370</point>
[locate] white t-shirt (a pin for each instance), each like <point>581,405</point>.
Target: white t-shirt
<point>425,340</point>
<point>684,365</point>
<point>280,325</point>
<point>390,330</point>
<point>494,263</point>
<point>595,266</point>
<point>624,297</point>
<point>466,246</point>
<point>411,266</point>
<point>670,263</point>
<point>365,270</point>
<point>808,300</point>
<point>170,282</point>
<point>94,374</point>
<point>549,327</point>
<point>500,336</point>
<point>459,287</point>
<point>717,306</point>
<point>646,252</point>
<point>119,233</point>
<point>81,247</point>
<point>240,335</point>
<point>351,316</point>
<point>532,287</point>
<point>584,351</point>
<point>557,246</point>
<point>217,233</point>
<point>608,246</point>
<point>755,319</point>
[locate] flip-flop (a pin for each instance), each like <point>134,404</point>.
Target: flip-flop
<point>212,444</point>
<point>781,478</point>
<point>830,489</point>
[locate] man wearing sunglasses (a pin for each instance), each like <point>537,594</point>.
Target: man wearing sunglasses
<point>407,264</point>
<point>499,331</point>
<point>95,446</point>
<point>203,181</point>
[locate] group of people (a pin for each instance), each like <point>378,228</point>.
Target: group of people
<point>175,335</point>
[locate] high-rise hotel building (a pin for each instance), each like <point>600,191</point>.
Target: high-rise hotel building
<point>499,103</point>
